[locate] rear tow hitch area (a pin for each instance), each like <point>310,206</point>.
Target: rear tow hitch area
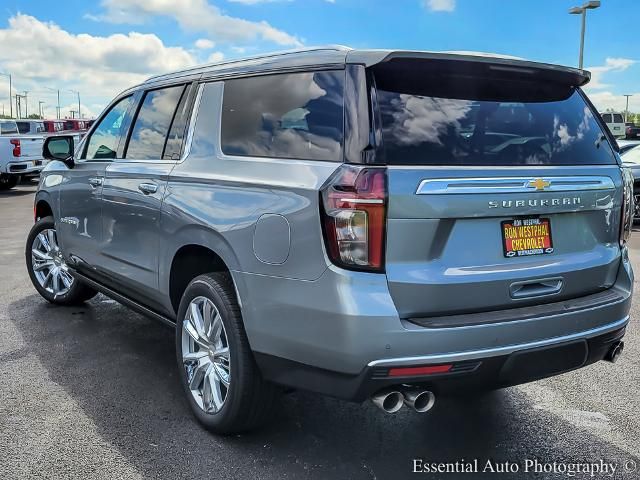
<point>614,352</point>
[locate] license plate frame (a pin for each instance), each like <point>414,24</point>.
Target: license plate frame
<point>518,241</point>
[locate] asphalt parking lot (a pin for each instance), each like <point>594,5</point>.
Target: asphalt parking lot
<point>92,392</point>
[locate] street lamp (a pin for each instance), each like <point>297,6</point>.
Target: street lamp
<point>626,112</point>
<point>10,104</point>
<point>591,5</point>
<point>77,93</point>
<point>58,106</point>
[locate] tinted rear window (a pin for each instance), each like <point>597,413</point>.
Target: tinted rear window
<point>618,118</point>
<point>486,124</point>
<point>23,127</point>
<point>297,115</point>
<point>8,128</point>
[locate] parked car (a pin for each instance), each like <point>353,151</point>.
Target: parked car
<point>615,123</point>
<point>632,131</point>
<point>19,154</point>
<point>625,145</point>
<point>30,127</point>
<point>631,160</point>
<point>319,219</point>
<point>54,126</point>
<point>76,125</point>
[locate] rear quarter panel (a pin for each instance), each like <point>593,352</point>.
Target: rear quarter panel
<point>215,201</point>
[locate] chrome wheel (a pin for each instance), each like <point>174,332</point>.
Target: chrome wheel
<point>205,355</point>
<point>48,265</point>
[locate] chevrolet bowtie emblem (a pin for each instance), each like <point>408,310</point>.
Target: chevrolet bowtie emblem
<point>539,184</point>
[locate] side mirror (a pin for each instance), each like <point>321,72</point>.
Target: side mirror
<point>59,148</point>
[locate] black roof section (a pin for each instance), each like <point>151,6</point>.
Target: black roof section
<point>338,56</point>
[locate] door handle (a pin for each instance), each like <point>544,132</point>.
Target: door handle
<point>95,181</point>
<point>148,188</point>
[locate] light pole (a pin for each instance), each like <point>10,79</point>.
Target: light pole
<point>26,104</point>
<point>40,109</point>
<point>77,93</point>
<point>626,111</point>
<point>10,104</point>
<point>591,5</point>
<point>58,106</point>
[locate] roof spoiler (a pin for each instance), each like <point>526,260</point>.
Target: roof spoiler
<point>481,65</point>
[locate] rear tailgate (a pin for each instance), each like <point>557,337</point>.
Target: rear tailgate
<point>503,189</point>
<point>446,252</point>
<point>31,147</point>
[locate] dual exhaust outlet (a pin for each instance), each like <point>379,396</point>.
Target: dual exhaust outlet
<point>392,400</point>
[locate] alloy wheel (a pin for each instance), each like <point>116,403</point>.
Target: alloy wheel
<point>49,266</point>
<point>205,355</point>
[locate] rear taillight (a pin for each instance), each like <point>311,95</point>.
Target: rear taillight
<point>16,147</point>
<point>628,207</point>
<point>353,215</point>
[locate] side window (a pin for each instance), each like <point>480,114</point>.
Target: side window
<point>298,115</point>
<point>152,124</point>
<point>106,136</point>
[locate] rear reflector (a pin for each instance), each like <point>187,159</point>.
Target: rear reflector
<point>426,370</point>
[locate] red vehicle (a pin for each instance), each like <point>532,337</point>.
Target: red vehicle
<point>76,125</point>
<point>54,126</point>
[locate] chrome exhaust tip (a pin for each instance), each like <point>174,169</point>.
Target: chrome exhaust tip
<point>390,401</point>
<point>614,352</point>
<point>420,400</point>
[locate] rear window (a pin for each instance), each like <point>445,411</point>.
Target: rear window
<point>298,115</point>
<point>485,123</point>
<point>23,127</point>
<point>606,117</point>
<point>8,128</point>
<point>618,118</point>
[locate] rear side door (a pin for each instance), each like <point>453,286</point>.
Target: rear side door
<point>502,193</point>
<point>80,224</point>
<point>134,188</point>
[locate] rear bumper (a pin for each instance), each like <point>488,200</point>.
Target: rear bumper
<point>24,167</point>
<point>337,334</point>
<point>480,374</point>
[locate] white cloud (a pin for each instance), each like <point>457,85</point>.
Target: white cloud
<point>195,16</point>
<point>610,65</point>
<point>440,5</point>
<point>98,67</point>
<point>204,44</point>
<point>608,100</point>
<point>215,57</point>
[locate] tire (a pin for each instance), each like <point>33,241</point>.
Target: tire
<point>7,182</point>
<point>248,400</point>
<point>69,290</point>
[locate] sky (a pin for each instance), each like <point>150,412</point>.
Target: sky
<point>101,47</point>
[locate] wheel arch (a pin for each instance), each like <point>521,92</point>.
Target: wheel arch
<point>191,252</point>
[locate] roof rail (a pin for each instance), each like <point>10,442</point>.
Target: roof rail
<point>253,57</point>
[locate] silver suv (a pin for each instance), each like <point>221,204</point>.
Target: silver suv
<point>361,223</point>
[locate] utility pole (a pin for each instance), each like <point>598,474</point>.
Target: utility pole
<point>26,104</point>
<point>40,109</point>
<point>77,93</point>
<point>626,111</point>
<point>10,94</point>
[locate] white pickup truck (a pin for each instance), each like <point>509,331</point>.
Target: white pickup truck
<point>19,154</point>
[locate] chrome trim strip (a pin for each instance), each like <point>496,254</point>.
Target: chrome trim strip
<point>192,123</point>
<point>443,186</point>
<point>494,352</point>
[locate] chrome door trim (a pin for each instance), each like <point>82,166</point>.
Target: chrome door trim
<point>445,186</point>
